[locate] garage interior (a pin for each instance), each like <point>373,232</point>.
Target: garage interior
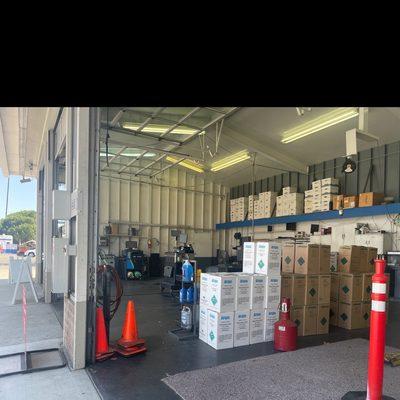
<point>157,178</point>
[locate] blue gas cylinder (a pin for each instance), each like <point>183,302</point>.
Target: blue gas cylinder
<point>187,271</point>
<point>189,295</point>
<point>183,295</point>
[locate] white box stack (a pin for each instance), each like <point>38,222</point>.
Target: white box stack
<point>308,201</point>
<point>290,202</point>
<point>253,200</point>
<point>322,193</point>
<point>239,208</point>
<point>238,309</point>
<point>264,206</point>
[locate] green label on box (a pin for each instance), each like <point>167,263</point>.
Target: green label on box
<point>345,289</point>
<point>301,261</point>
<point>312,291</point>
<point>261,264</point>
<point>212,336</point>
<point>332,268</point>
<point>324,321</point>
<point>214,300</point>
<point>343,260</point>
<point>344,317</point>
<point>287,260</point>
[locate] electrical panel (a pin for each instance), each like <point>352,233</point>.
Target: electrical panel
<point>61,208</point>
<point>60,265</point>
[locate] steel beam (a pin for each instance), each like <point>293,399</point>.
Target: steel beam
<point>151,164</point>
<point>183,119</point>
<point>166,167</point>
<point>115,156</point>
<point>133,161</point>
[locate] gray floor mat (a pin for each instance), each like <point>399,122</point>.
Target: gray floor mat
<point>313,373</point>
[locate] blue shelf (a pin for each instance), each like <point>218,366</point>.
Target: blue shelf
<point>393,208</point>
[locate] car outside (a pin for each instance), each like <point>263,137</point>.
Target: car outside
<point>30,253</point>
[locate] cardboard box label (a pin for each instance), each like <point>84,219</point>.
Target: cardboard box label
<point>257,326</point>
<point>241,328</point>
<point>257,297</point>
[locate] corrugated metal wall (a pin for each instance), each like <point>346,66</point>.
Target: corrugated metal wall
<point>183,200</point>
<point>385,176</point>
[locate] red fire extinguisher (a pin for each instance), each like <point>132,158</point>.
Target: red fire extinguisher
<point>285,330</point>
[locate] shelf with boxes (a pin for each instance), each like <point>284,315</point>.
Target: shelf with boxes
<point>350,303</point>
<point>393,208</point>
<point>306,280</point>
<point>238,309</point>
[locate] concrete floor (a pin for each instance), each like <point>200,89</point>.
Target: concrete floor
<point>43,331</point>
<point>140,377</point>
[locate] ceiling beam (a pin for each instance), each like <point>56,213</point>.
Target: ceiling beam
<point>183,119</point>
<point>3,152</point>
<point>167,167</point>
<point>115,156</point>
<point>132,162</point>
<point>267,150</point>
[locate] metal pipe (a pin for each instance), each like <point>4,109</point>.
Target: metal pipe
<point>181,121</point>
<point>115,156</point>
<point>131,162</point>
<point>151,164</point>
<point>166,167</point>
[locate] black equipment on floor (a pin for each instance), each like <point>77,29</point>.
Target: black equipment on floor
<point>136,264</point>
<point>154,265</point>
<point>393,268</point>
<point>238,259</point>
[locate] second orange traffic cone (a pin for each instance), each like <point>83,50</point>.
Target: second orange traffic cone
<point>129,343</point>
<point>103,352</point>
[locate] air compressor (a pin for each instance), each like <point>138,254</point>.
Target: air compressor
<point>285,330</point>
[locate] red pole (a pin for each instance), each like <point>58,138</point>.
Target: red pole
<point>377,332</point>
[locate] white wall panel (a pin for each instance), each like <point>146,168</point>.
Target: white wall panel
<point>177,200</point>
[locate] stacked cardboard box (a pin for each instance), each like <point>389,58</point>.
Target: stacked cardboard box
<point>253,199</point>
<point>306,281</point>
<point>290,202</point>
<point>322,195</point>
<point>351,287</point>
<point>265,205</point>
<point>370,199</point>
<point>239,208</point>
<point>238,309</point>
<point>309,201</point>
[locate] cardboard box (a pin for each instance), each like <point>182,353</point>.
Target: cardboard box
<point>311,293</point>
<point>287,286</point>
<point>333,261</point>
<point>324,289</point>
<point>288,257</point>
<point>257,318</point>
<point>203,324</point>
<point>349,259</point>
<point>335,281</point>
<point>329,189</point>
<point>365,313</point>
<point>310,320</point>
<point>221,293</point>
<point>220,329</point>
<point>307,259</point>
<point>241,328</point>
<point>243,292</point>
<point>370,199</point>
<point>333,312</point>
<point>372,255</point>
<point>324,259</point>
<point>249,257</point>
<point>268,258</point>
<point>338,201</point>
<point>330,182</point>
<point>364,265</point>
<point>257,297</point>
<point>350,202</point>
<point>316,184</point>
<point>272,292</point>
<point>297,316</point>
<point>323,319</point>
<point>204,283</point>
<point>271,316</point>
<point>350,288</point>
<point>366,287</point>
<point>349,316</point>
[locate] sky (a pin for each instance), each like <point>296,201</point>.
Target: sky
<point>22,196</point>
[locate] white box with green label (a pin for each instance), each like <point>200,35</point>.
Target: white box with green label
<point>241,328</point>
<point>271,316</point>
<point>257,296</point>
<point>221,292</point>
<point>257,318</point>
<point>243,292</point>
<point>272,291</point>
<point>203,334</point>
<point>204,282</point>
<point>220,329</point>
<point>268,258</point>
<point>249,257</point>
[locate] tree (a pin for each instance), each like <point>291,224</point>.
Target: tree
<point>21,225</point>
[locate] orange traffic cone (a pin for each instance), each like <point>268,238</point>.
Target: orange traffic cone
<point>129,343</point>
<point>102,350</point>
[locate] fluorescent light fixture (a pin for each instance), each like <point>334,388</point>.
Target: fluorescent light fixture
<point>318,124</point>
<point>156,128</point>
<point>125,154</point>
<point>231,160</point>
<point>187,164</point>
